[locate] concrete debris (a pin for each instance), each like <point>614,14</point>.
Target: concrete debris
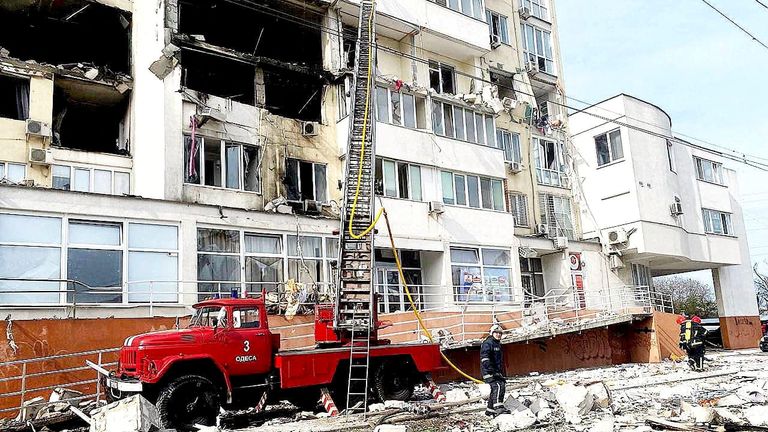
<point>395,404</point>
<point>757,415</point>
<point>729,401</point>
<point>376,407</point>
<point>600,394</point>
<point>456,395</point>
<point>725,416</point>
<point>391,428</point>
<point>515,421</point>
<point>30,408</point>
<point>202,428</point>
<point>133,414</point>
<point>698,414</point>
<point>576,401</point>
<point>485,391</point>
<point>60,393</point>
<point>604,425</point>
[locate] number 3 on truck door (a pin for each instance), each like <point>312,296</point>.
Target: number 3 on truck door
<point>248,345</point>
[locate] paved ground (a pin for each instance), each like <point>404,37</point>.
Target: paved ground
<point>733,390</point>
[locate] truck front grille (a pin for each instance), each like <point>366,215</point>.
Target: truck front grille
<point>128,359</point>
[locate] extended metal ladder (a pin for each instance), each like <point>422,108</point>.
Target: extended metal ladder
<point>354,301</point>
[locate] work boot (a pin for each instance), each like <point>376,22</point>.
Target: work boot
<point>490,413</point>
<point>503,410</point>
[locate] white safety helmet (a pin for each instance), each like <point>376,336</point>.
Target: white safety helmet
<point>495,328</point>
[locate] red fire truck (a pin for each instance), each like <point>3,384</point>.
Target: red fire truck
<point>227,357</point>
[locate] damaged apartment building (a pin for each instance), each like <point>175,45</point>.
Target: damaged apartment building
<point>178,149</point>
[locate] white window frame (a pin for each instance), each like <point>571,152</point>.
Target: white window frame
<point>379,175</point>
<point>518,206</point>
<point>510,143</point>
<point>558,218</point>
<point>436,66</point>
<point>641,275</point>
<point>494,204</point>
<point>387,118</point>
<point>92,178</point>
<point>715,167</point>
<point>223,155</point>
<point>343,98</point>
<point>316,191</point>
<point>724,220</point>
<point>536,39</point>
<point>481,134</point>
<point>671,157</point>
<point>546,176</point>
<point>128,226</point>
<point>459,6</point>
<point>538,8</point>
<point>4,169</point>
<point>611,151</point>
<point>503,33</point>
<point>485,296</point>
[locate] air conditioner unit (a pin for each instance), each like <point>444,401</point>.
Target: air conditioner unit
<point>617,236</point>
<point>209,113</point>
<point>309,128</point>
<point>542,229</point>
<point>436,207</point>
<point>615,262</point>
<point>509,103</point>
<point>38,156</point>
<point>560,243</point>
<point>514,167</point>
<point>524,12</point>
<point>676,209</point>
<point>495,41</point>
<point>312,207</point>
<point>38,128</point>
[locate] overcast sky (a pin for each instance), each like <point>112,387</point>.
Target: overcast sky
<point>681,55</point>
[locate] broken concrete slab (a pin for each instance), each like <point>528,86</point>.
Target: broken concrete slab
<point>729,401</point>
<point>514,421</point>
<point>725,416</point>
<point>757,415</point>
<point>456,395</point>
<point>575,401</point>
<point>600,393</point>
<point>133,414</point>
<point>604,425</point>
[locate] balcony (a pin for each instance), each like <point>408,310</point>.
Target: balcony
<point>554,178</point>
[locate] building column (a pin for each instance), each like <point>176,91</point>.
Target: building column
<point>737,306</point>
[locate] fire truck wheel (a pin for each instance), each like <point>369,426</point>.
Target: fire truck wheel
<point>391,383</point>
<point>188,400</point>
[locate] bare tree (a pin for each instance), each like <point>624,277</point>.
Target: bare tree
<point>761,287</point>
<point>689,296</point>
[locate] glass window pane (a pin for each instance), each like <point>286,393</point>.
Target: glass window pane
<point>470,122</point>
<point>466,7</point>
<point>390,183</point>
<point>16,172</point>
<point>504,30</point>
<point>255,243</point>
<point>311,247</point>
<point>461,197</point>
<point>458,114</point>
<point>478,9</point>
<point>82,180</point>
<point>378,183</point>
<point>382,104</point>
<point>152,276</point>
<point>308,271</point>
<point>102,181</point>
<point>147,236</point>
<point>2,170</point>
<point>437,118</point>
<point>30,229</point>
<point>448,120</point>
<point>29,263</point>
<point>61,178</point>
<point>216,240</point>
<point>479,126</point>
<point>232,154</point>
<point>217,268</point>
<point>617,151</point>
<point>94,233</point>
<point>547,47</point>
<point>485,192</point>
<point>331,247</point>
<point>402,180</point>
<point>472,191</point>
<point>467,283</point>
<point>251,177</point>
<point>496,257</point>
<point>101,271</point>
<point>267,270</point>
<point>415,186</point>
<point>601,147</point>
<point>453,4</point>
<point>395,108</point>
<point>464,256</point>
<point>498,195</point>
<point>490,132</point>
<point>409,111</point>
<point>321,185</point>
<point>122,183</point>
<point>212,162</point>
<point>447,185</point>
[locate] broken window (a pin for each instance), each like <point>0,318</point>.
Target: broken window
<point>95,259</point>
<point>14,97</point>
<point>219,76</point>
<point>453,121</point>
<point>504,83</point>
<point>550,162</point>
<point>442,77</point>
<point>497,25</point>
<point>224,164</point>
<point>305,180</point>
<point>67,33</point>
<point>343,98</point>
<point>89,116</point>
<point>399,108</point>
<point>556,214</point>
<point>293,94</point>
<point>532,275</point>
<point>12,172</point>
<point>537,44</point>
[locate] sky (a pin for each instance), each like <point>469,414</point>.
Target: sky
<point>681,55</point>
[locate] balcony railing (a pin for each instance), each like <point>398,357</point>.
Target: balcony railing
<point>550,177</point>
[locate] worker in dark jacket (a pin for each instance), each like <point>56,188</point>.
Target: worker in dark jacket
<point>692,341</point>
<point>492,368</point>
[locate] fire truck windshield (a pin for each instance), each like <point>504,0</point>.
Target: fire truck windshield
<point>211,316</point>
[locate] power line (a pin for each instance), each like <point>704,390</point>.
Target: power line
<point>762,4</point>
<point>736,24</point>
<point>252,5</point>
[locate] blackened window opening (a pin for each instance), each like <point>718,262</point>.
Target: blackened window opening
<point>97,34</point>
<point>264,28</point>
<point>14,98</point>
<point>219,76</point>
<point>89,123</point>
<point>293,94</point>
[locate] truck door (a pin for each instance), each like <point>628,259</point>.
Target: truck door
<point>248,343</point>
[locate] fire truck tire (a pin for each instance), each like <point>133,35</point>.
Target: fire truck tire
<point>392,382</point>
<point>188,400</point>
